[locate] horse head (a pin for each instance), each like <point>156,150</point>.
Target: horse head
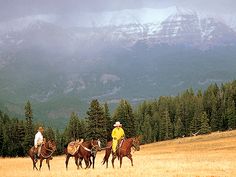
<point>52,145</point>
<point>96,144</point>
<point>136,143</point>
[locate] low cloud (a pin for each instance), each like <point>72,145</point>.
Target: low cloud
<point>15,8</point>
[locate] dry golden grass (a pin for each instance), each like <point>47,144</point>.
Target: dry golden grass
<point>211,155</point>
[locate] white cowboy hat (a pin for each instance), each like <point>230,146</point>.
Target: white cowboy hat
<point>117,124</point>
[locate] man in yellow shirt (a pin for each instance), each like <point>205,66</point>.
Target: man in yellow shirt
<point>117,134</point>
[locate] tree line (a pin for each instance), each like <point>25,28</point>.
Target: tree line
<point>167,117</point>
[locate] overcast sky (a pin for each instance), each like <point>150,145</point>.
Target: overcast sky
<point>17,8</point>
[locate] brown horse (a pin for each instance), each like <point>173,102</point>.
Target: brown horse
<point>48,148</point>
<point>124,150</point>
<point>86,151</point>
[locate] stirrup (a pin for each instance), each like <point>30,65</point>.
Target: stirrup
<point>35,158</point>
<point>114,153</point>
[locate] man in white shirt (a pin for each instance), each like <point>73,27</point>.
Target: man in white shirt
<point>38,141</point>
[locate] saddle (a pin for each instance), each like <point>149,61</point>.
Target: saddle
<point>74,146</point>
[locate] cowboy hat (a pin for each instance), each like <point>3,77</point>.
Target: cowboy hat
<point>117,124</point>
<point>40,129</point>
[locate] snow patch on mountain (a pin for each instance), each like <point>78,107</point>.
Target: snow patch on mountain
<point>112,92</point>
<point>42,97</point>
<point>22,23</point>
<point>124,17</point>
<point>105,78</point>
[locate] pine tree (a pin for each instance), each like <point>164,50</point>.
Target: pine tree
<point>49,134</point>
<point>187,106</point>
<point>20,137</point>
<point>60,142</point>
<point>96,122</point>
<point>82,128</point>
<point>231,114</point>
<point>166,128</point>
<point>205,128</point>
<point>29,132</point>
<point>140,113</point>
<point>210,98</point>
<point>72,131</point>
<point>13,138</point>
<point>155,123</point>
<point>181,112</point>
<point>109,126</point>
<point>214,119</point>
<point>125,115</point>
<point>6,135</point>
<point>147,130</point>
<point>195,124</point>
<point>179,128</point>
<point>1,132</point>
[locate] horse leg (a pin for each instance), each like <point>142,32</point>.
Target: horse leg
<point>67,160</point>
<point>89,162</point>
<point>80,161</point>
<point>113,159</point>
<point>131,159</point>
<point>121,161</point>
<point>34,164</point>
<point>93,161</point>
<point>107,163</point>
<point>41,161</point>
<point>86,159</point>
<point>47,161</point>
<point>106,157</point>
<point>76,161</point>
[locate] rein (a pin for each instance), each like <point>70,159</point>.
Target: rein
<point>107,147</point>
<point>95,145</point>
<point>133,145</point>
<point>90,150</point>
<point>87,149</point>
<point>52,151</point>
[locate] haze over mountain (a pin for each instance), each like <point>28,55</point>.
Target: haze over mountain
<point>60,61</point>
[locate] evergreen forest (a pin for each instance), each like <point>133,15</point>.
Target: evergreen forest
<point>189,113</point>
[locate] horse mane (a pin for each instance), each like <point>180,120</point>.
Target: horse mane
<point>88,142</point>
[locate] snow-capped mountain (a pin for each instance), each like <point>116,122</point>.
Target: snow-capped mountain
<point>127,27</point>
<point>133,53</point>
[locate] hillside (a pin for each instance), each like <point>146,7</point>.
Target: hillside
<point>214,142</point>
<point>201,156</point>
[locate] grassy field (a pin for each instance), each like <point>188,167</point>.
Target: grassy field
<point>211,155</point>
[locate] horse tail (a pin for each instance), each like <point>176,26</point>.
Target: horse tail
<point>65,148</point>
<point>31,152</point>
<point>107,155</point>
<point>104,160</point>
